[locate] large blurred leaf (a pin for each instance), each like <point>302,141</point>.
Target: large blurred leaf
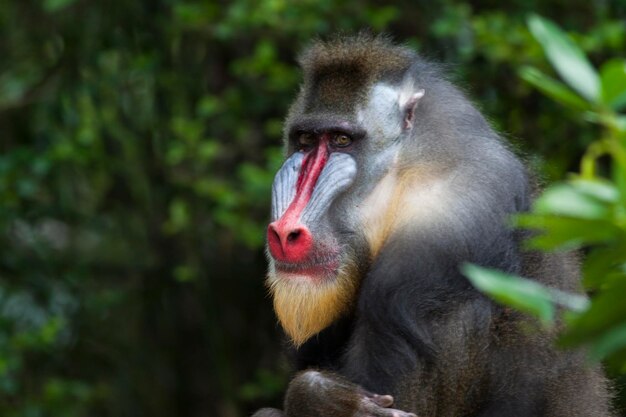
<point>525,295</point>
<point>569,61</point>
<point>569,200</point>
<point>553,88</point>
<point>598,188</point>
<point>556,232</point>
<point>572,214</point>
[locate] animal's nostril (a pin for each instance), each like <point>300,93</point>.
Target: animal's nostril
<point>293,236</point>
<point>273,234</point>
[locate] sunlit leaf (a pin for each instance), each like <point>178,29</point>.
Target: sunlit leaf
<point>620,123</point>
<point>600,189</point>
<point>556,232</point>
<point>568,200</point>
<point>569,61</point>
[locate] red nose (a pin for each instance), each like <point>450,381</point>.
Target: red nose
<point>289,242</point>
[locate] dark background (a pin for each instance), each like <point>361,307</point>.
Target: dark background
<point>138,140</point>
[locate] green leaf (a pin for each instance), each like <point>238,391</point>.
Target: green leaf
<point>179,216</point>
<point>568,60</point>
<point>613,78</point>
<point>381,17</point>
<point>600,189</point>
<point>619,104</point>
<point>573,214</point>
<point>601,261</point>
<point>620,123</point>
<point>553,88</point>
<point>609,343</point>
<point>616,361</point>
<point>523,294</point>
<point>558,232</point>
<point>568,199</point>
<point>607,311</point>
<point>185,273</point>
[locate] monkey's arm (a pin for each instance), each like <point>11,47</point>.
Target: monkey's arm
<point>319,394</point>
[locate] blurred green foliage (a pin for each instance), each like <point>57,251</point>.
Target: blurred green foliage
<point>137,145</point>
<point>588,211</point>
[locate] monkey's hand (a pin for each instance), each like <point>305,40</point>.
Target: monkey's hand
<point>322,394</point>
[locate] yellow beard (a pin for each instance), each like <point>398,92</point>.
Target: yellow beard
<point>305,305</point>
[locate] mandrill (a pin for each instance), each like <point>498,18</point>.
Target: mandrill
<point>392,180</point>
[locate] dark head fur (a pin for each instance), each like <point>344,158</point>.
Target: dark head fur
<point>338,73</point>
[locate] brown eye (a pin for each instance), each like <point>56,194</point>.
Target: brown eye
<point>306,140</point>
<point>341,141</point>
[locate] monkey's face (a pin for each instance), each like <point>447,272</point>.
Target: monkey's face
<point>319,240</point>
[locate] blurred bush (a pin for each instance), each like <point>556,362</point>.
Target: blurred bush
<point>137,145</point>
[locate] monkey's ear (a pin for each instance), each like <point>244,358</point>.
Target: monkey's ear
<point>408,104</point>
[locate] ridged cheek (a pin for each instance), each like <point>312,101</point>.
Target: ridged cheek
<point>284,185</point>
<point>292,189</point>
<point>338,175</point>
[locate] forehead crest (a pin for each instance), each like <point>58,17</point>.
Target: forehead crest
<point>337,73</point>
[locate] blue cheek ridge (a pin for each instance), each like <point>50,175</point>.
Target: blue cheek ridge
<point>336,177</point>
<point>284,185</point>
